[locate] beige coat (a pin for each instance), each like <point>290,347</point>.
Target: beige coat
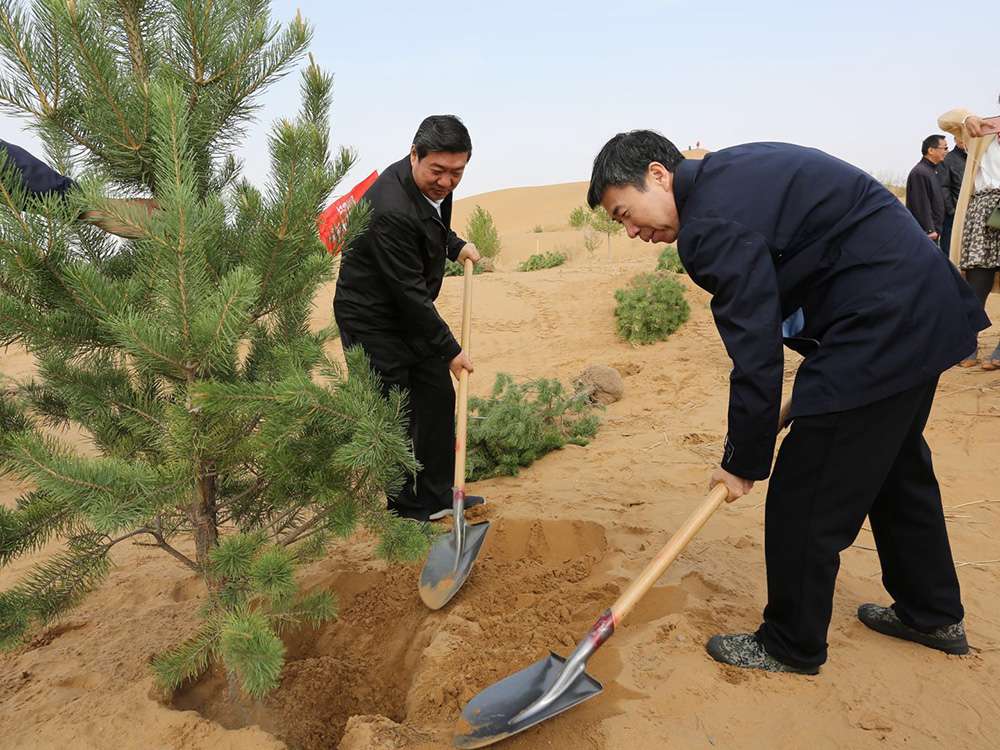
<point>952,122</point>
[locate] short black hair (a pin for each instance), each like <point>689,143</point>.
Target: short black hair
<point>932,141</point>
<point>625,159</point>
<point>442,133</point>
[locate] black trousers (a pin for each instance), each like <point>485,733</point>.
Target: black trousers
<point>412,365</point>
<point>832,470</point>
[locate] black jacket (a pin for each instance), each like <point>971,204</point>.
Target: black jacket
<point>950,172</point>
<point>769,229</point>
<point>391,276</point>
<point>924,197</point>
<point>36,176</point>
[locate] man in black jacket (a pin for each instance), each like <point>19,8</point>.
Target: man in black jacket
<point>924,197</point>
<point>771,229</point>
<point>950,173</point>
<point>385,302</point>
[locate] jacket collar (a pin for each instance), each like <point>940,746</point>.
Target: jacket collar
<point>684,179</point>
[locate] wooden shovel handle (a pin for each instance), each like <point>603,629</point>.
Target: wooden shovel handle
<point>718,495</point>
<point>463,379</point>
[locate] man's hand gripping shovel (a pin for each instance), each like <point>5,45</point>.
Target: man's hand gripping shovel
<point>553,685</point>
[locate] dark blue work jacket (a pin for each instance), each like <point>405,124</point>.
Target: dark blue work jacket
<point>771,228</point>
<point>37,176</point>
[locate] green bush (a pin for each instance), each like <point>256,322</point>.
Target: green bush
<point>538,229</point>
<point>451,268</point>
<point>480,231</point>
<point>539,261</point>
<point>579,217</point>
<point>521,422</point>
<point>650,308</point>
<point>670,261</point>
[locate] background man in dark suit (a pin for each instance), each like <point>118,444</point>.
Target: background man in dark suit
<point>768,229</point>
<point>385,302</point>
<point>924,196</point>
<point>950,173</point>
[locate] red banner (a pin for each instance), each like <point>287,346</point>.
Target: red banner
<point>334,214</point>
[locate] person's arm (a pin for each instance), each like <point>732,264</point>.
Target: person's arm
<point>454,246</point>
<point>121,207</point>
<point>38,178</point>
<point>953,121</point>
<point>394,245</point>
<point>734,264</point>
<point>950,181</point>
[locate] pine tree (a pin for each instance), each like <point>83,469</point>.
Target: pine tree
<point>224,433</point>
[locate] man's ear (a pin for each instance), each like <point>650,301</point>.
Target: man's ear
<point>658,175</point>
<point>413,154</point>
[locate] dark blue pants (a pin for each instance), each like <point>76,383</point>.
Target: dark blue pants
<point>832,470</point>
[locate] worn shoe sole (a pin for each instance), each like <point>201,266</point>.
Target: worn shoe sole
<point>883,620</point>
<point>471,501</point>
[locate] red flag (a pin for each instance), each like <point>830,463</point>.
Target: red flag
<point>334,214</point>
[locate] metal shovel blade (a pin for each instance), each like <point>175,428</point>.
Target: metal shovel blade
<point>495,713</point>
<point>447,567</point>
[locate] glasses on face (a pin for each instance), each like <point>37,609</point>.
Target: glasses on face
<point>940,148</point>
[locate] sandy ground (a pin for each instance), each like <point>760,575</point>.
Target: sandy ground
<point>568,535</point>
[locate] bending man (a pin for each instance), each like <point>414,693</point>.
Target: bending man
<point>769,229</point>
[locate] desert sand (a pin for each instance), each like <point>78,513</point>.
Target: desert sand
<point>568,535</point>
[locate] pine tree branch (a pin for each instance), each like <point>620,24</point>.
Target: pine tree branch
<point>258,485</point>
<point>23,57</point>
<point>223,317</point>
<point>162,543</point>
<point>302,529</point>
<point>103,86</point>
<point>310,283</point>
<point>44,583</point>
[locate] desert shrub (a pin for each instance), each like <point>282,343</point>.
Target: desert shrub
<point>521,422</point>
<point>539,261</point>
<point>591,242</point>
<point>579,217</point>
<point>481,232</point>
<point>650,308</point>
<point>669,260</point>
<point>538,229</point>
<point>451,268</point>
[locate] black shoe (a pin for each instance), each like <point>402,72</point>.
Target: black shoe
<point>948,638</point>
<point>745,651</point>
<point>471,501</point>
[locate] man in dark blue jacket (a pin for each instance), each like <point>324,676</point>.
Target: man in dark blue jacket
<point>38,180</point>
<point>385,299</point>
<point>771,229</point>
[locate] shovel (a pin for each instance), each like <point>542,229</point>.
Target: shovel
<point>553,685</point>
<point>453,554</point>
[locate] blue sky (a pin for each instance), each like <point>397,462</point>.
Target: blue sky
<point>542,85</point>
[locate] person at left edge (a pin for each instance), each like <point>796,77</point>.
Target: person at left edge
<point>385,296</point>
<point>39,179</point>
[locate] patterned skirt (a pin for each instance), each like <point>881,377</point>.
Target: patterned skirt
<point>980,243</point>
